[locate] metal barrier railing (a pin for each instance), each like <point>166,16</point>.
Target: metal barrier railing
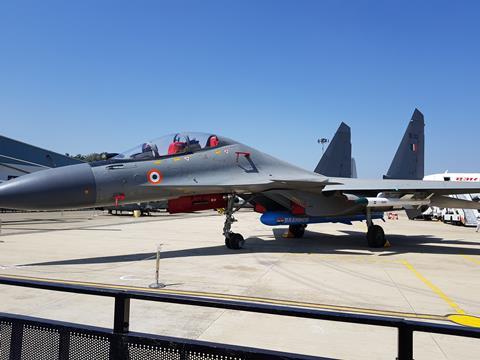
<point>121,322</point>
<point>33,338</point>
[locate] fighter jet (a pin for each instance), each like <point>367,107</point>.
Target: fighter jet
<point>195,171</point>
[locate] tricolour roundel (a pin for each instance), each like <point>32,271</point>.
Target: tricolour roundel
<point>154,176</point>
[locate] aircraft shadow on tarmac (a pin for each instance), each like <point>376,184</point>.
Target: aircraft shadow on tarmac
<point>21,230</point>
<point>351,243</point>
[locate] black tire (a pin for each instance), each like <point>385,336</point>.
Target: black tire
<point>376,237</point>
<point>297,230</point>
<point>227,243</point>
<point>236,241</point>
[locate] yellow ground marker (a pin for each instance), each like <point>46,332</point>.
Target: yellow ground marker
<point>434,288</point>
<point>465,320</point>
<point>472,259</point>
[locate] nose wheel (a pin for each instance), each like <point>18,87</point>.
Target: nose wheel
<point>233,240</point>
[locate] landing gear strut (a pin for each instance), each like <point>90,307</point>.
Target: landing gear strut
<point>375,234</point>
<point>232,240</point>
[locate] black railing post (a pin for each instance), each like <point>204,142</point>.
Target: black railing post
<point>121,319</point>
<point>64,345</point>
<point>16,341</point>
<point>405,342</point>
<point>121,323</point>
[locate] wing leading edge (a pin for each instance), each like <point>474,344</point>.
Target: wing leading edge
<point>400,186</point>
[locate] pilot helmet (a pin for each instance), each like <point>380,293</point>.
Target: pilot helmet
<point>146,147</point>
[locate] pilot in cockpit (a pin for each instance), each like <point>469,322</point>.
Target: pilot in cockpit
<point>150,147</point>
<point>149,151</point>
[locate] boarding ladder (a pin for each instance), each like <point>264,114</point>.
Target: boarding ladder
<point>470,215</point>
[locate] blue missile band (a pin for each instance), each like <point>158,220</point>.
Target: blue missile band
<point>274,218</point>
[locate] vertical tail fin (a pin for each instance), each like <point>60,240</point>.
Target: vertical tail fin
<point>337,159</point>
<point>409,160</point>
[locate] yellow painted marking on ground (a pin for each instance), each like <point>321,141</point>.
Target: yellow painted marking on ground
<point>239,298</point>
<point>434,288</point>
<point>472,259</point>
<point>465,320</point>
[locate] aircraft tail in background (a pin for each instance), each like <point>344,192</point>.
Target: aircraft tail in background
<point>409,160</point>
<point>337,159</point>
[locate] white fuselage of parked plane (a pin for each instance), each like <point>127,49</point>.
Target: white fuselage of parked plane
<point>464,177</point>
<point>461,177</point>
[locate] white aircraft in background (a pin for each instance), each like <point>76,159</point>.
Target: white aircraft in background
<point>467,217</point>
<point>446,176</point>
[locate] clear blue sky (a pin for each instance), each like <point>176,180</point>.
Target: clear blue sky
<point>84,76</point>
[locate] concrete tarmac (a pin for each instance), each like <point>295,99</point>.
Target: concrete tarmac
<point>430,271</point>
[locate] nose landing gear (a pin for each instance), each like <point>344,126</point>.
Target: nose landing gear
<point>233,240</point>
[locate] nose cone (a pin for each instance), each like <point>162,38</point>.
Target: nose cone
<point>69,187</point>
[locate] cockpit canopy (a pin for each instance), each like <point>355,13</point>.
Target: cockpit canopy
<point>179,143</point>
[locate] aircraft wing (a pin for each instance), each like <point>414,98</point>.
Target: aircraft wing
<point>357,186</point>
<point>448,202</point>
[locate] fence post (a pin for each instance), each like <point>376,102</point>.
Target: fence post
<point>405,343</point>
<point>64,345</point>
<point>121,323</point>
<point>121,320</point>
<point>16,341</point>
